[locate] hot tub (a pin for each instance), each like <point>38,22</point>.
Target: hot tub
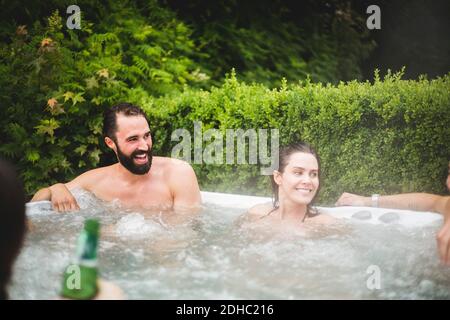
<point>369,254</point>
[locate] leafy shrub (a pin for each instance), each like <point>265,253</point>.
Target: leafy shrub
<point>55,84</point>
<point>385,137</point>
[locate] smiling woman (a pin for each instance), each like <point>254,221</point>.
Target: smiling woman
<point>295,185</point>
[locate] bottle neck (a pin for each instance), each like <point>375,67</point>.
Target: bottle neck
<point>87,249</point>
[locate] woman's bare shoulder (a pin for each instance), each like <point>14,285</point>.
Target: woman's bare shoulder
<point>254,214</point>
<point>324,218</point>
<point>260,209</point>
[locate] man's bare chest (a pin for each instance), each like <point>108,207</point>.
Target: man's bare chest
<point>144,195</point>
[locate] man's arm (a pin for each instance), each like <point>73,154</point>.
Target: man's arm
<point>60,196</point>
<point>42,194</point>
<point>443,236</point>
<point>405,201</point>
<point>185,189</point>
<point>412,201</point>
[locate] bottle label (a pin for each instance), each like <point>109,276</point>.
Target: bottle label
<point>87,249</point>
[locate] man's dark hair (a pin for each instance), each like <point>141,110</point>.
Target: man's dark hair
<point>12,222</point>
<point>110,117</point>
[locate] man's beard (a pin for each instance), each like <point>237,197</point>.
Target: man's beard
<point>128,163</point>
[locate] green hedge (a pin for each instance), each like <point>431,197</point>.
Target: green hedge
<point>385,137</point>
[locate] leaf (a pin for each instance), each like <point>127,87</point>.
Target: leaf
<point>32,155</point>
<point>78,98</point>
<point>47,127</point>
<point>95,156</point>
<point>96,100</point>
<point>91,83</point>
<point>81,149</point>
<point>17,132</point>
<point>68,95</point>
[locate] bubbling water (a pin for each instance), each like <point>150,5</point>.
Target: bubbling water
<point>210,257</point>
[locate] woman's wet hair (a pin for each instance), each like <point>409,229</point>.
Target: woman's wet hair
<point>284,157</point>
<point>12,222</point>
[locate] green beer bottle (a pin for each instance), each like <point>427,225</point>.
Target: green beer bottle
<point>80,278</point>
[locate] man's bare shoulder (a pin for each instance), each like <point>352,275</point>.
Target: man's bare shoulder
<point>172,167</point>
<point>181,181</point>
<point>98,172</point>
<point>170,163</point>
<point>88,178</point>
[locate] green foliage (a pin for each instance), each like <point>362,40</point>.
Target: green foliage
<point>55,84</point>
<point>271,39</point>
<point>387,137</point>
